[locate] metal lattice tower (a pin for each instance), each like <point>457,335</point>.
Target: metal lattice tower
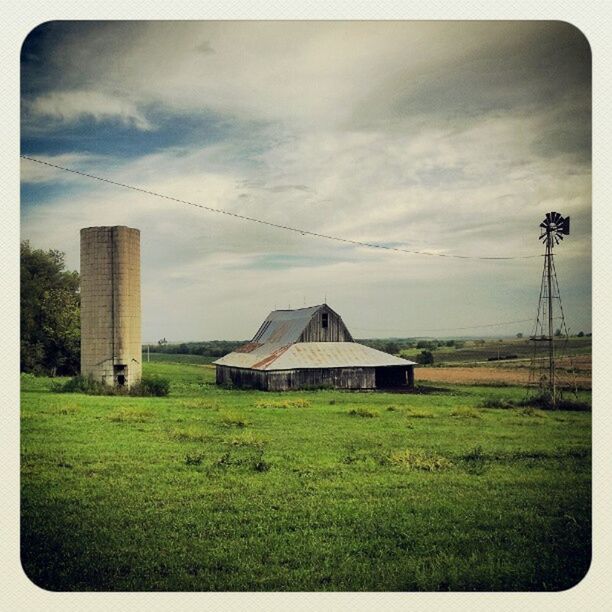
<point>550,335</point>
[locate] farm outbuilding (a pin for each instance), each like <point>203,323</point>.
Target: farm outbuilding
<point>309,348</point>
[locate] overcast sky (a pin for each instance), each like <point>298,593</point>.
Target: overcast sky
<point>446,137</point>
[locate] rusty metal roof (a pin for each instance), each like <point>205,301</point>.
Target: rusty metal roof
<point>308,355</point>
<point>283,327</point>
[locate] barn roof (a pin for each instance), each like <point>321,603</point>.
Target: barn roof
<point>308,355</point>
<point>283,327</point>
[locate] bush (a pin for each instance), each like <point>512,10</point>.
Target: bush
<point>147,387</point>
<point>83,384</point>
<point>151,386</point>
<point>425,358</point>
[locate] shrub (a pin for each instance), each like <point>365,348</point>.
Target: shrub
<point>151,386</point>
<point>419,460</point>
<point>83,384</point>
<point>544,401</point>
<point>425,358</point>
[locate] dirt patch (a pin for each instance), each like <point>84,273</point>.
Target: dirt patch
<point>484,375</point>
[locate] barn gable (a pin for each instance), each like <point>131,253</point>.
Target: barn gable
<point>312,324</point>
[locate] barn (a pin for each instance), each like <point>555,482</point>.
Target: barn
<point>310,348</point>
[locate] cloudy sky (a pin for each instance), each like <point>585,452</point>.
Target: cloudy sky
<point>452,138</point>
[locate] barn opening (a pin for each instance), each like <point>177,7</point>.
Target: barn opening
<point>324,320</point>
<point>391,376</point>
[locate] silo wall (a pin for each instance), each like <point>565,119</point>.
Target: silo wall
<point>110,305</point>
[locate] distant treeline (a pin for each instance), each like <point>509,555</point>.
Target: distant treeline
<point>210,348</point>
<point>218,348</point>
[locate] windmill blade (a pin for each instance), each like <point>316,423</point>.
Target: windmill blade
<point>548,217</point>
<point>543,225</point>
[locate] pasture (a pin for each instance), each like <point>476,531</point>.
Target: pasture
<point>215,489</point>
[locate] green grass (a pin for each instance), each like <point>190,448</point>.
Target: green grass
<point>227,490</point>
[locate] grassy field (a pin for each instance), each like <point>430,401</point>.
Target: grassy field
<point>226,490</point>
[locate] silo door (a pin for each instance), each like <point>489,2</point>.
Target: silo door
<point>120,372</point>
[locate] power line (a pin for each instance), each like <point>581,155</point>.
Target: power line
<point>303,232</point>
<point>452,328</point>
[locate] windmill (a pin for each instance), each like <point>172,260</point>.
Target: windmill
<point>543,373</point>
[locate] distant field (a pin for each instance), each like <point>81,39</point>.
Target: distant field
<point>497,375</point>
<point>225,490</point>
<point>522,348</point>
<point>486,364</point>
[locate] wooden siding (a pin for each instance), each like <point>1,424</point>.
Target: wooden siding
<point>336,330</point>
<point>241,377</point>
<point>336,378</point>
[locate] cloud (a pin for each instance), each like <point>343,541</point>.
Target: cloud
<point>72,106</point>
<point>32,173</point>
<point>443,137</point>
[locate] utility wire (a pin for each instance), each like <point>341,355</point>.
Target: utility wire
<point>452,328</point>
<point>269,223</point>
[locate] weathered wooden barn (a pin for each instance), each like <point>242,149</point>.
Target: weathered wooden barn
<point>310,348</point>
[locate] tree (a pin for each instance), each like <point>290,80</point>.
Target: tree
<point>392,348</point>
<point>425,344</point>
<point>50,313</point>
<point>581,334</point>
<point>425,358</point>
<point>557,332</point>
<point>519,335</point>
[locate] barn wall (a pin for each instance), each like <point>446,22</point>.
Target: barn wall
<point>336,331</point>
<point>240,377</point>
<point>338,378</point>
<point>312,378</point>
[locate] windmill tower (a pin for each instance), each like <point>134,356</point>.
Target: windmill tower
<point>550,334</point>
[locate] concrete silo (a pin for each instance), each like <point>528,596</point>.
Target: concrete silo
<point>110,305</point>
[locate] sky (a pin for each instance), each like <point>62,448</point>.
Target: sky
<point>453,138</point>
